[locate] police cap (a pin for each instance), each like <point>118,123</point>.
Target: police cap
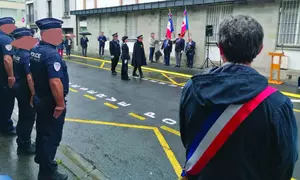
<point>115,34</point>
<point>7,20</point>
<point>124,38</point>
<point>20,32</point>
<point>49,23</point>
<point>139,36</point>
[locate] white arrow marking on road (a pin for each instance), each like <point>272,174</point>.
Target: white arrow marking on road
<point>295,100</point>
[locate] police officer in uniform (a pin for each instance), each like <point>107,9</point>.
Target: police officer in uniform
<point>125,58</point>
<point>24,92</point>
<point>7,78</point>
<point>115,51</point>
<point>51,80</point>
<point>138,57</point>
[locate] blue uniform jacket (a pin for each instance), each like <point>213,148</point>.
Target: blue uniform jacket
<point>5,49</point>
<point>190,48</point>
<point>264,147</point>
<point>61,45</point>
<point>102,40</point>
<point>46,63</point>
<point>21,61</point>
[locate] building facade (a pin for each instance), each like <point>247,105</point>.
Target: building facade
<point>279,18</point>
<point>15,9</point>
<point>60,9</point>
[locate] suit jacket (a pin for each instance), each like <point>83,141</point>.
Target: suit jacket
<point>190,48</point>
<point>125,52</point>
<point>102,40</point>
<point>67,42</point>
<point>168,49</point>
<point>179,44</point>
<point>114,48</point>
<point>84,42</point>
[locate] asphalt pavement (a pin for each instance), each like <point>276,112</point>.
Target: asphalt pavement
<point>129,130</point>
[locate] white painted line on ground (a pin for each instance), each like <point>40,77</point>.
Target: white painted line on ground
<point>153,81</point>
<point>295,100</point>
<point>145,79</point>
<point>172,85</point>
<point>162,83</point>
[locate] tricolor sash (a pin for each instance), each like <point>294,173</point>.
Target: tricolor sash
<point>217,128</point>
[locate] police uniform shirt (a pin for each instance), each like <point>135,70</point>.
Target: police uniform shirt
<point>6,49</point>
<point>45,64</point>
<point>21,60</point>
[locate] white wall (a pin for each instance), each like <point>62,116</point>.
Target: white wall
<point>79,4</point>
<point>107,3</point>
<point>127,2</point>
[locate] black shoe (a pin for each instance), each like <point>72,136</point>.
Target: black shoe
<point>141,76</point>
<point>114,73</point>
<point>26,150</point>
<point>135,75</point>
<point>126,79</point>
<point>55,176</point>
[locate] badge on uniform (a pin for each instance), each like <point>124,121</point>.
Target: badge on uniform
<point>8,47</point>
<point>57,66</point>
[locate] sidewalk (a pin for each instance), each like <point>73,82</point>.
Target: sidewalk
<point>24,167</point>
<point>288,76</point>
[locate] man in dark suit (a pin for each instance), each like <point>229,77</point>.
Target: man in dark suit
<point>102,39</point>
<point>167,48</point>
<point>179,47</point>
<point>190,51</point>
<point>115,52</point>
<point>68,45</point>
<point>84,44</point>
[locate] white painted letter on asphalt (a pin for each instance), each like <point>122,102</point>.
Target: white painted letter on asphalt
<point>75,86</point>
<point>83,88</point>
<point>124,104</point>
<point>101,95</point>
<point>169,121</point>
<point>92,92</point>
<point>150,114</point>
<point>112,99</point>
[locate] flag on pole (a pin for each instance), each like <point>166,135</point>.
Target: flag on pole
<point>170,27</point>
<point>185,24</point>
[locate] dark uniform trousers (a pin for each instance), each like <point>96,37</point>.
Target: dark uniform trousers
<point>49,134</point>
<point>137,68</point>
<point>124,70</point>
<point>190,60</point>
<point>7,102</point>
<point>114,63</point>
<point>26,115</point>
<point>101,49</point>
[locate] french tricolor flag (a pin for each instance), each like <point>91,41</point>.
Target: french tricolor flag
<point>170,27</point>
<point>185,24</point>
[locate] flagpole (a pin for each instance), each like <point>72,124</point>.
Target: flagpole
<point>188,24</point>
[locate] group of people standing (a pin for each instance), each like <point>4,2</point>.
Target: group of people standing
<point>138,56</point>
<point>37,77</point>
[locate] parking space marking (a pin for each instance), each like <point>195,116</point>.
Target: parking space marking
<point>291,94</point>
<point>137,116</point>
<point>111,105</point>
<point>170,155</point>
<point>102,64</point>
<point>170,79</point>
<point>73,90</point>
<point>173,131</point>
<point>90,97</point>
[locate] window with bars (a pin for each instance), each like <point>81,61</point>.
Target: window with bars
<point>131,25</point>
<point>164,19</point>
<point>66,7</point>
<point>288,32</point>
<point>215,15</point>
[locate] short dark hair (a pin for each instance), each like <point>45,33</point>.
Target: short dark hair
<point>240,38</point>
<point>152,33</point>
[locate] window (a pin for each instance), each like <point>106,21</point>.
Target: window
<point>288,32</point>
<point>66,7</point>
<point>131,25</point>
<point>215,15</point>
<point>5,12</point>
<point>164,19</point>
